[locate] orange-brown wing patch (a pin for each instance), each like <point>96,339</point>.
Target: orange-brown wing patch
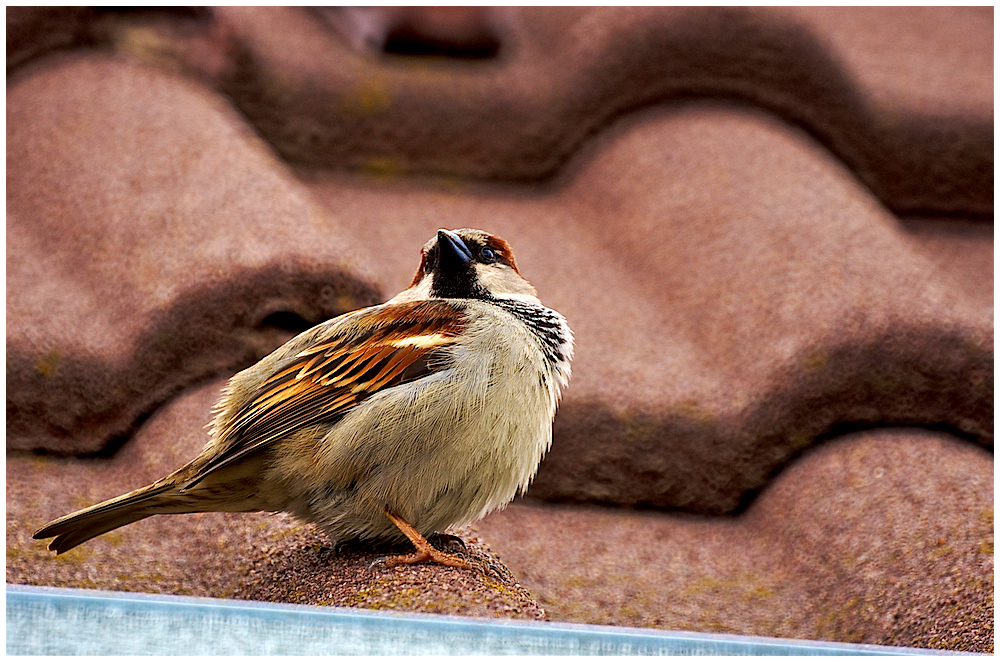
<point>324,381</point>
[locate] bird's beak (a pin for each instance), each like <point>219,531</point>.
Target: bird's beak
<point>453,254</point>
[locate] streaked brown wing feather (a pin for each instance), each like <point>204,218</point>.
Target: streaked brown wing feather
<point>389,346</point>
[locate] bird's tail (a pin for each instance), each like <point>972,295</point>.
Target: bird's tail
<point>79,527</point>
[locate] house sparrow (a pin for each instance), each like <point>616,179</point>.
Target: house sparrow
<point>383,424</point>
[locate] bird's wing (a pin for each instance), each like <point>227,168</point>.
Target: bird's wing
<point>384,347</point>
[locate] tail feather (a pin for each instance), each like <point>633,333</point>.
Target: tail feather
<point>79,527</point>
<point>233,488</point>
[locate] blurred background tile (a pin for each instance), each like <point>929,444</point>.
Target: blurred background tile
<point>770,228</point>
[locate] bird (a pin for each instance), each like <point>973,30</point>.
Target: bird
<point>389,423</point>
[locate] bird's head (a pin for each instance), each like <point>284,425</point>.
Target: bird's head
<point>466,264</point>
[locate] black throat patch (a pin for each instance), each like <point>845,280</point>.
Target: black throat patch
<point>460,283</point>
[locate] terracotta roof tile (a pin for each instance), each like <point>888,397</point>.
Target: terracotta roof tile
<point>149,239</point>
<point>768,227</point>
<point>880,537</point>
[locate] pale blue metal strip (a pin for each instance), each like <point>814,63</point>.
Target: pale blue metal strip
<point>57,621</point>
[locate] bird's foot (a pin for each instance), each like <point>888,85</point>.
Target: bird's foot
<point>445,540</point>
<point>426,552</point>
<point>428,555</point>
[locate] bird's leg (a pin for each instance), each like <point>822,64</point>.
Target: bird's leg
<point>425,551</point>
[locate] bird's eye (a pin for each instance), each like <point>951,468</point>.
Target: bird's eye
<point>487,255</point>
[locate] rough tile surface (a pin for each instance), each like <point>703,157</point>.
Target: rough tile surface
<point>770,228</point>
<point>879,537</point>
